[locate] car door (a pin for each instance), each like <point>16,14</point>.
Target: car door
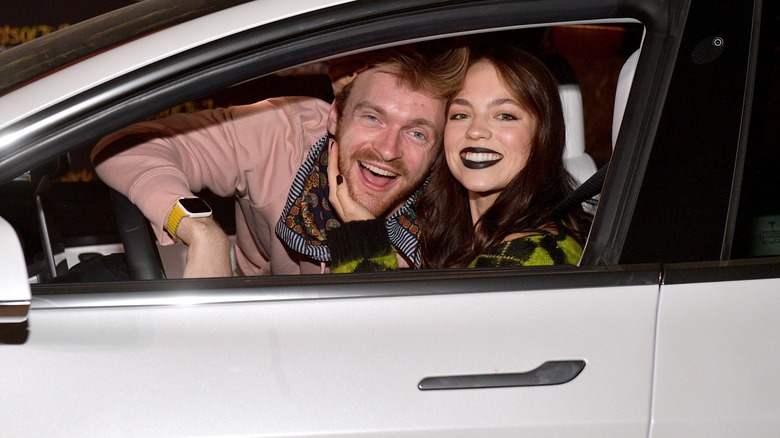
<point>276,358</point>
<point>717,350</point>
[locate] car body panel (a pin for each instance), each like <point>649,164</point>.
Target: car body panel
<point>88,73</point>
<point>703,387</point>
<point>338,366</point>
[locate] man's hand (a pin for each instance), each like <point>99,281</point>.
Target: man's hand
<point>208,254</point>
<point>340,199</point>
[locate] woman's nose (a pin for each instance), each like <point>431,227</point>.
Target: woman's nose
<point>478,129</point>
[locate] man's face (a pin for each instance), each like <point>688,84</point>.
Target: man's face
<point>387,140</point>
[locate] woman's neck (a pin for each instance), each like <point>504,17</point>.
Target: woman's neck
<point>479,203</point>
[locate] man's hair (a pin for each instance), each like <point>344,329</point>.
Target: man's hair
<point>434,68</point>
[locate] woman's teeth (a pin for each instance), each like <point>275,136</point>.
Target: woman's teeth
<point>480,157</point>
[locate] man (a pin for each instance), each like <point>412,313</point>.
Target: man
<point>272,157</point>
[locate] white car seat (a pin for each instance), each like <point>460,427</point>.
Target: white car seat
<point>625,79</point>
<point>577,162</point>
<point>575,159</point>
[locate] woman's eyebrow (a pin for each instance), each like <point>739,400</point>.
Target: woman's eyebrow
<point>495,102</point>
<point>460,101</point>
<point>504,101</point>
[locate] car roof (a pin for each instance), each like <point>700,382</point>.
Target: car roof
<point>73,43</point>
<point>50,69</point>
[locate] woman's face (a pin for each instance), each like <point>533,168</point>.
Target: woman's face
<point>488,134</point>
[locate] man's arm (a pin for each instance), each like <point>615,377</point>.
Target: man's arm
<point>208,254</point>
<point>156,163</point>
<point>237,151</point>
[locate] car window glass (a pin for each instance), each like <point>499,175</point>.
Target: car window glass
<point>757,231</point>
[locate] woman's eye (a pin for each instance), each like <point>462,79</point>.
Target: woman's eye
<point>507,117</point>
<point>457,116</point>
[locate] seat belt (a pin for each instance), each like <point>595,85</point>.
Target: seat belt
<point>586,191</point>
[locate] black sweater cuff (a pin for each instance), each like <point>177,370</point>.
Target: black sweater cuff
<point>358,240</point>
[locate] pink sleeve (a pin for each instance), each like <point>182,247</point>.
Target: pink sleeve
<point>155,163</point>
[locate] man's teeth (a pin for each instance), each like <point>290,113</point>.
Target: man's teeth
<point>480,157</point>
<point>378,171</point>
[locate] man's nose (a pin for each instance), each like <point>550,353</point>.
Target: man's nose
<point>389,146</point>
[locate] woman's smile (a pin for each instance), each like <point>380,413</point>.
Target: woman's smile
<point>479,158</point>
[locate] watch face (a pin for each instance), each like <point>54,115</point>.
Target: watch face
<point>195,205</point>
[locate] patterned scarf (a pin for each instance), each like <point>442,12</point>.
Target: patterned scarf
<point>307,215</point>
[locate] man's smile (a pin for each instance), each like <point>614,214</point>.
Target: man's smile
<point>376,177</point>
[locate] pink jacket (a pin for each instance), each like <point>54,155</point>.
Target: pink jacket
<point>251,152</point>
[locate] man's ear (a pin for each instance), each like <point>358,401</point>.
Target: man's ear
<point>333,118</point>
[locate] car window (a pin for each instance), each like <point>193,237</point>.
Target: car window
<point>64,209</point>
<point>757,232</point>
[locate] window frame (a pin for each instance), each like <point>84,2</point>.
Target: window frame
<point>257,51</point>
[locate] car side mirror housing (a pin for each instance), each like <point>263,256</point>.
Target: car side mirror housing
<point>15,293</point>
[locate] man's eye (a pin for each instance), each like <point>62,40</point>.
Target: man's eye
<point>458,116</point>
<point>419,135</point>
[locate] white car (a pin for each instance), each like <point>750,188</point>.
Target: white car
<point>665,329</point>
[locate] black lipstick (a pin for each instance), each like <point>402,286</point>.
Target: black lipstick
<point>478,164</point>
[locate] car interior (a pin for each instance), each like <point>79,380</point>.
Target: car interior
<point>68,242</point>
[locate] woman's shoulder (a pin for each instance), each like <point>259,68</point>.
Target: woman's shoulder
<point>541,247</point>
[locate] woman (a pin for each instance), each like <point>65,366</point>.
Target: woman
<point>491,195</point>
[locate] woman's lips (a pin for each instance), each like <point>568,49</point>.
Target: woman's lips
<point>479,158</point>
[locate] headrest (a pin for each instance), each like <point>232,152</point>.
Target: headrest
<point>571,98</point>
<point>625,79</point>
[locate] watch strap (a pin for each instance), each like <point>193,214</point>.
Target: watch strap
<point>174,219</point>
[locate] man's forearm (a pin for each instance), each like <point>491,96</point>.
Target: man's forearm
<point>208,253</point>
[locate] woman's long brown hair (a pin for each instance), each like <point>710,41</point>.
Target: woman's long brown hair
<point>449,238</point>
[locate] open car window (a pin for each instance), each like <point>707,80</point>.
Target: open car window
<point>66,199</point>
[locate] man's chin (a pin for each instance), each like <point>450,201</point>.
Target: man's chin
<point>380,206</point>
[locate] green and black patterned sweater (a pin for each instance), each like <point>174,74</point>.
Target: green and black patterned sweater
<point>363,246</point>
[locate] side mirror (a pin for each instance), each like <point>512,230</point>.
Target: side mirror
<point>15,294</point>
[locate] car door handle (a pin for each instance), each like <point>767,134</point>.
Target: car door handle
<point>554,372</point>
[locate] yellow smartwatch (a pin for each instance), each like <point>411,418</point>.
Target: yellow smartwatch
<point>186,207</point>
